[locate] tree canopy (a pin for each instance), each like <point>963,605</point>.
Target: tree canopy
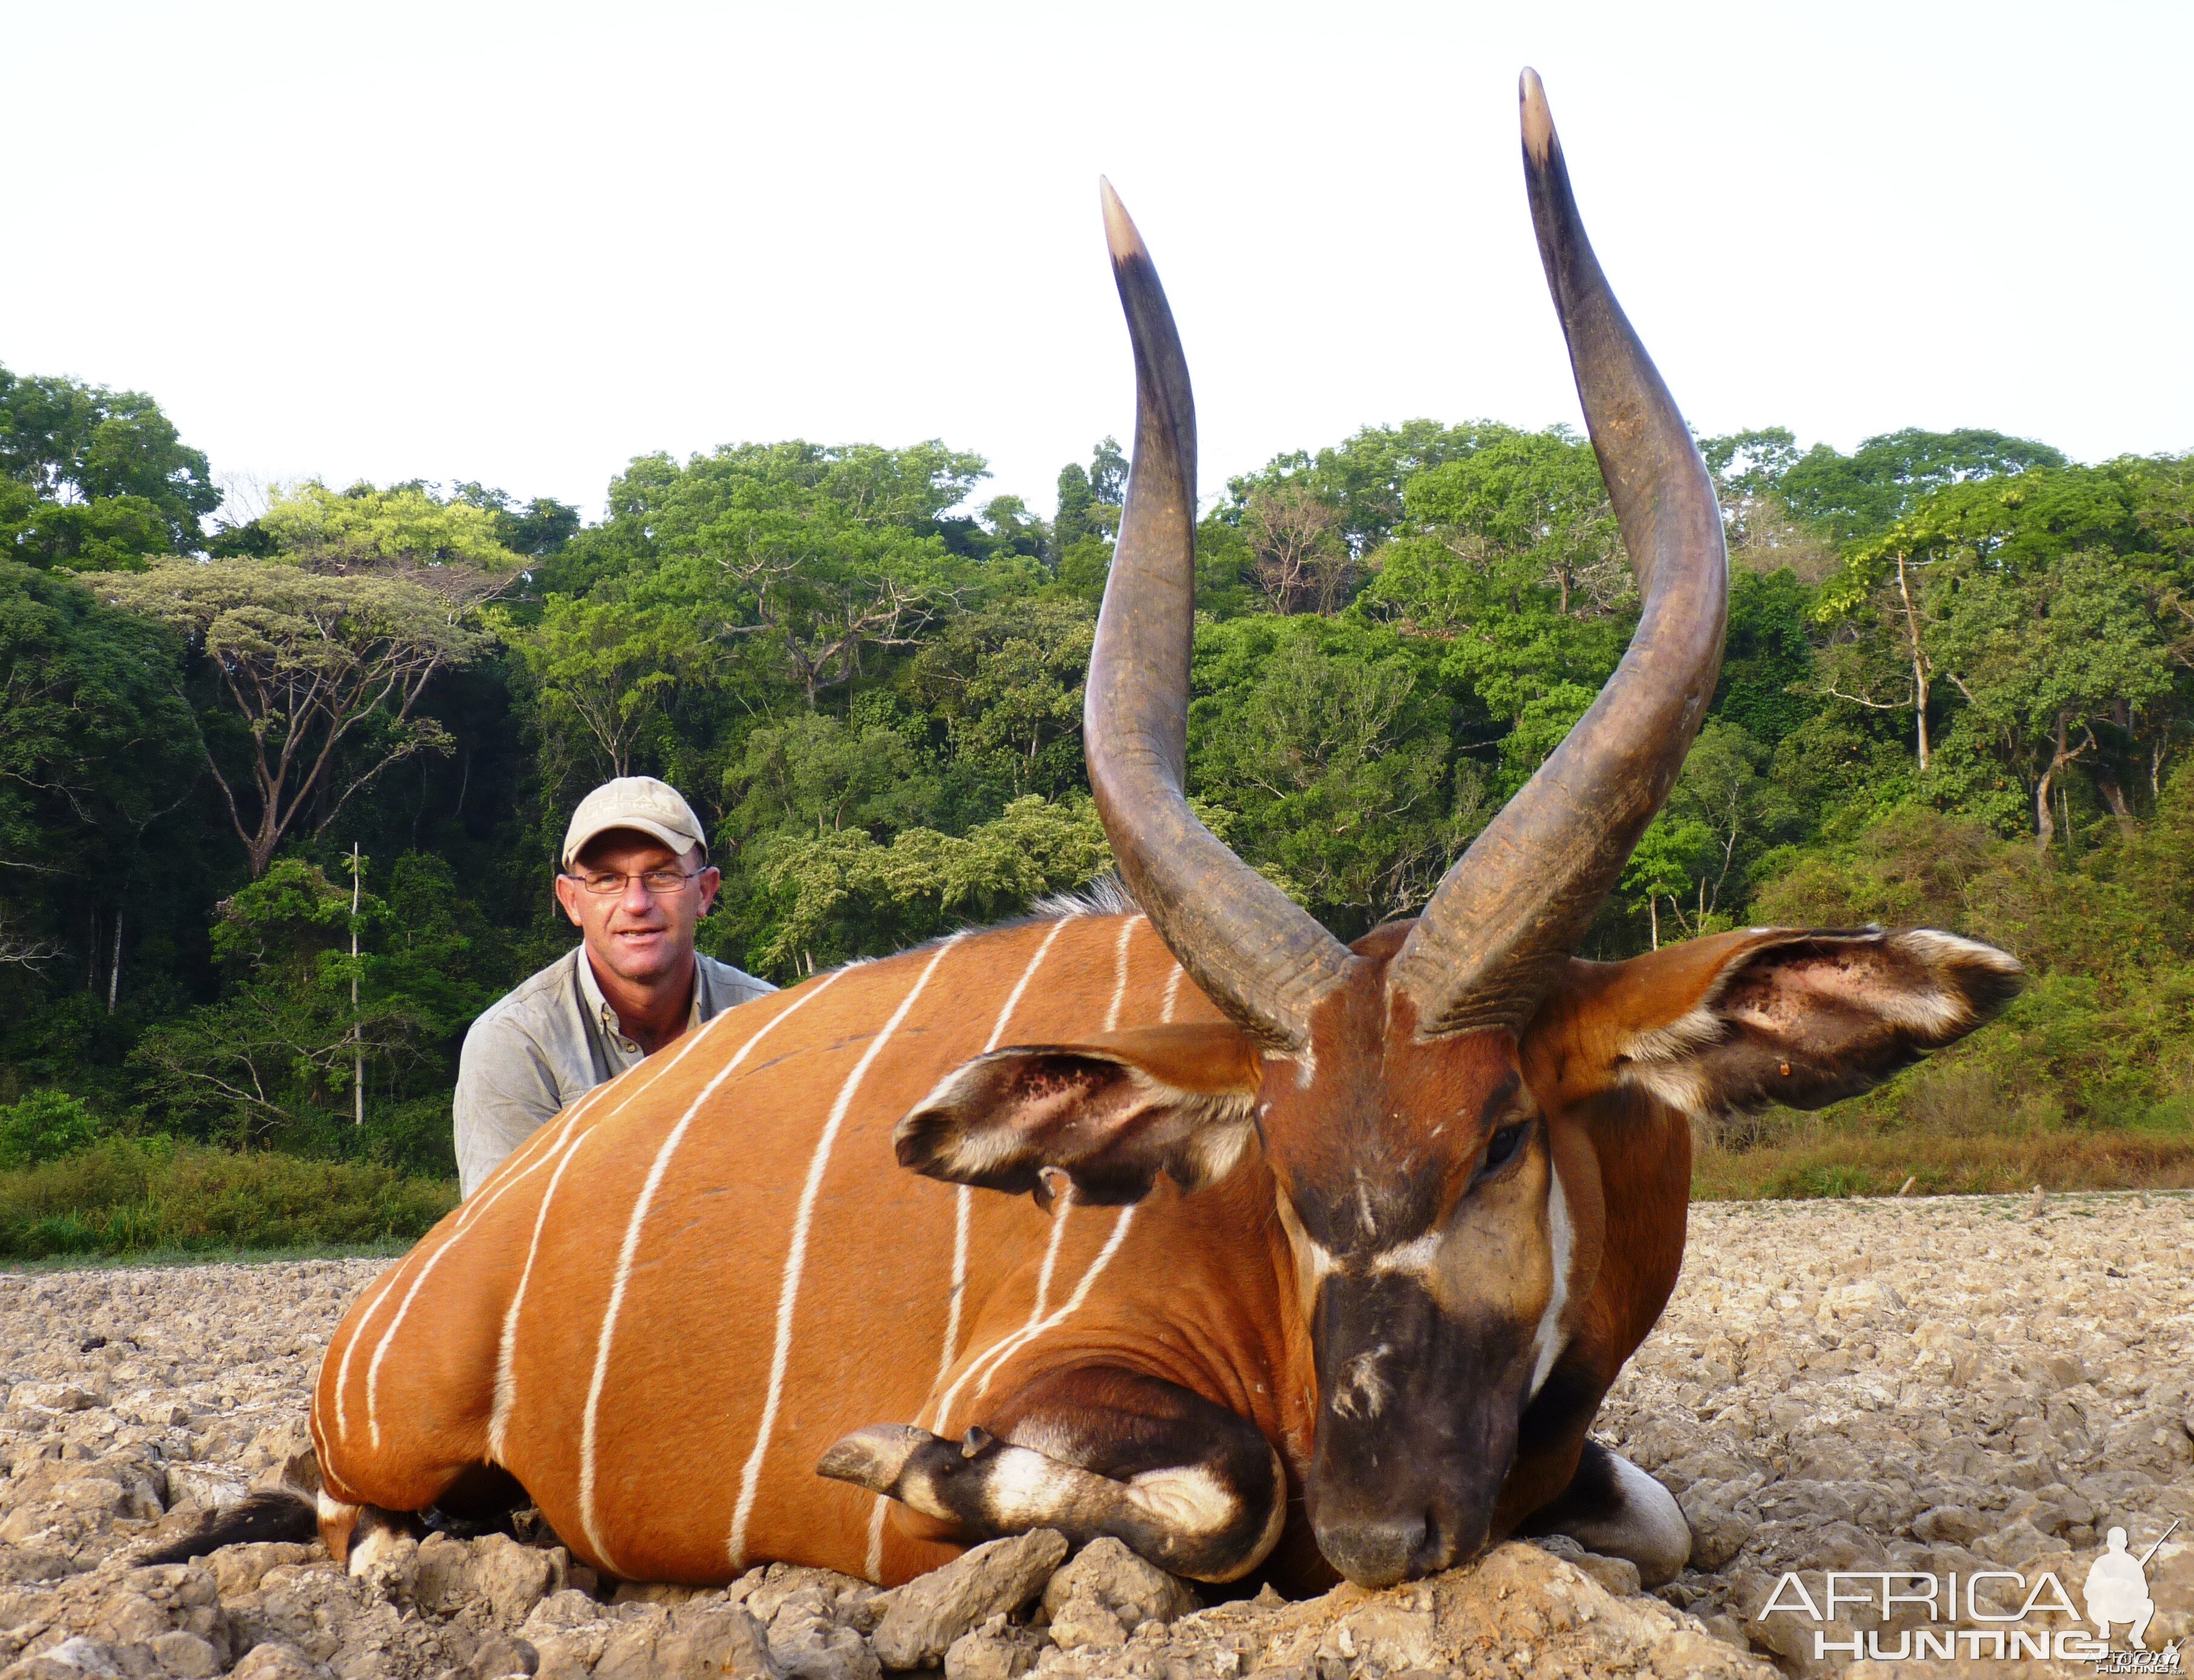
<point>1959,672</point>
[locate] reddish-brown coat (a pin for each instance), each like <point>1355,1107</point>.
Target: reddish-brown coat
<point>1200,1290</point>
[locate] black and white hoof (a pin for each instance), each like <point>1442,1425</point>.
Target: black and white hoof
<point>1187,1519</point>
<point>1616,1509</point>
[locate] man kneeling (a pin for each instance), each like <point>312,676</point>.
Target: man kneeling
<point>634,876</point>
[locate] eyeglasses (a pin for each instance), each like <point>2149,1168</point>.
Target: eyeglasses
<point>660,883</point>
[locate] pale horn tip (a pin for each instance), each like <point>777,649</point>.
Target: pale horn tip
<point>1120,233</point>
<point>1538,120</point>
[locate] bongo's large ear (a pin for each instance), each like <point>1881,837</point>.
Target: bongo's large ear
<point>1111,1114</point>
<point>1803,1018</point>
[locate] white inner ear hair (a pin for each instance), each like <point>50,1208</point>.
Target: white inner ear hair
<point>1904,981</point>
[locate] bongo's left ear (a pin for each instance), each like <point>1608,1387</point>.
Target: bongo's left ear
<point>1111,1112</point>
<point>1803,1018</point>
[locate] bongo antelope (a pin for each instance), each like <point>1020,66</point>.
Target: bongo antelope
<point>1170,1217</point>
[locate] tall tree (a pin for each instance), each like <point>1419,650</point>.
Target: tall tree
<point>1303,562</point>
<point>1074,521</point>
<point>96,748</point>
<point>1864,493</point>
<point>322,655</point>
<point>90,477</point>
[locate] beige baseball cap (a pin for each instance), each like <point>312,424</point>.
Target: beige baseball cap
<point>640,802</point>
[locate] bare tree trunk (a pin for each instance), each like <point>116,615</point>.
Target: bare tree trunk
<point>114,969</point>
<point>2106,783</point>
<point>357,1038</point>
<point>1919,665</point>
<point>1653,908</point>
<point>2045,821</point>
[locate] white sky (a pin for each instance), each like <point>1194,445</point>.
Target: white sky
<point>523,243</point>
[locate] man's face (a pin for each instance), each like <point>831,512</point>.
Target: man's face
<point>639,935</point>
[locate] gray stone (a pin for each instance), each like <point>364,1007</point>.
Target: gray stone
<point>1107,1593</point>
<point>239,1569</point>
<point>54,1396</point>
<point>1619,1576</point>
<point>714,1639</point>
<point>499,1658</point>
<point>805,1643</point>
<point>1952,1524</point>
<point>512,1578</point>
<point>997,1650</point>
<point>932,1611</point>
<point>276,1661</point>
<point>209,1487</point>
<point>76,1658</point>
<point>185,1655</point>
<point>438,1575</point>
<point>559,1612</point>
<point>846,1600</point>
<point>693,1641</point>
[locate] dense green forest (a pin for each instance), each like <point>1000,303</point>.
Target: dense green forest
<point>1959,690</point>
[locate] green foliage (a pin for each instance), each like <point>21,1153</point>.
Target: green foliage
<point>91,477</point>
<point>121,1196</point>
<point>1860,493</point>
<point>1076,521</point>
<point>839,895</point>
<point>308,662</point>
<point>45,1125</point>
<point>1767,664</point>
<point>96,746</point>
<point>272,1060</point>
<point>1363,479</point>
<point>1006,682</point>
<point>540,528</point>
<point>1329,742</point>
<point>1958,682</point>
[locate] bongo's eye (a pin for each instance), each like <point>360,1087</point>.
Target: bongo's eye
<point>1501,1147</point>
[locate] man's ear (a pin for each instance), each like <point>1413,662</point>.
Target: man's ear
<point>1110,1113</point>
<point>1733,1023</point>
<point>566,893</point>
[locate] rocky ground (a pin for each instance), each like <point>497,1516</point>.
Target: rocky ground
<point>1936,1385</point>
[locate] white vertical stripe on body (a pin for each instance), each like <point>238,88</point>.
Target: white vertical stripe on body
<point>964,1208</point>
<point>466,1214</point>
<point>1120,973</point>
<point>1036,1312</point>
<point>1051,1249</point>
<point>505,1353</point>
<point>1172,993</point>
<point>379,1291</point>
<point>630,1247</point>
<point>992,1362</point>
<point>795,1258</point>
<point>506,1389</point>
<point>1014,997</point>
<point>468,1217</point>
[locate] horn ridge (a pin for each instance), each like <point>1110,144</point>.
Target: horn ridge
<point>1520,900</point>
<point>1261,957</point>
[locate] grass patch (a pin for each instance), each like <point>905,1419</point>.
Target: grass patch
<point>156,1200</point>
<point>141,1259</point>
<point>1877,1163</point>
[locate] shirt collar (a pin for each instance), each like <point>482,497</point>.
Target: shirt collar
<point>599,1008</point>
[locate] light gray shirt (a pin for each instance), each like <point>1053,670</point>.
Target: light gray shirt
<point>546,1043</point>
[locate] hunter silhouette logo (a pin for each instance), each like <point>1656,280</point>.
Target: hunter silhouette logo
<point>2115,1590</point>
